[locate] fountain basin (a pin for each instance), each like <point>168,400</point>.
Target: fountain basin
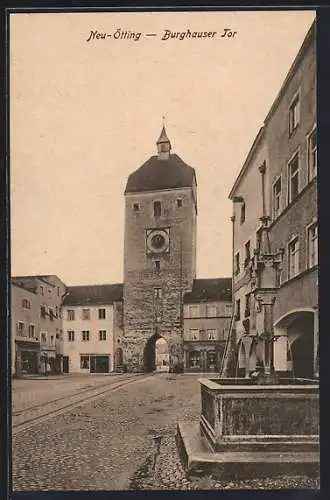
<point>270,429</point>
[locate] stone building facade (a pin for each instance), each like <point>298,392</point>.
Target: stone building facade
<point>207,316</point>
<point>278,182</point>
<point>159,255</point>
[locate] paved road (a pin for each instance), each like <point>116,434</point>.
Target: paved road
<point>27,392</point>
<point>99,445</point>
<point>108,444</point>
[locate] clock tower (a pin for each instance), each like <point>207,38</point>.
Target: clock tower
<point>159,254</point>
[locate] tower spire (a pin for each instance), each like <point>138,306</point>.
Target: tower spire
<point>163,143</point>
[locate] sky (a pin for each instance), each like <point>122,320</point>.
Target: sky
<point>85,114</point>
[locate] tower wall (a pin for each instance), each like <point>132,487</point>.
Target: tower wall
<point>143,313</point>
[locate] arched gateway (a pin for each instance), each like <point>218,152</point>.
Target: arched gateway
<point>156,354</point>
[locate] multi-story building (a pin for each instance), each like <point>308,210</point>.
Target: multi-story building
<point>91,328</point>
<point>278,183</point>
<point>207,314</point>
<point>45,323</point>
<point>25,343</point>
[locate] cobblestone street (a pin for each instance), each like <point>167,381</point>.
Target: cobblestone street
<point>124,440</point>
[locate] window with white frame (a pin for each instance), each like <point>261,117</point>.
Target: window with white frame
<point>293,177</point>
<point>212,334</point>
<point>20,328</point>
<point>85,335</point>
<point>247,253</point>
<point>294,114</point>
<point>211,311</point>
<point>194,334</point>
<point>158,293</point>
<point>86,314</point>
<point>32,331</point>
<point>70,335</point>
<point>84,362</point>
<point>237,264</point>
<point>193,311</point>
<point>102,314</point>
<point>312,245</point>
<point>312,155</point>
<point>102,335</point>
<point>293,256</point>
<point>277,197</point>
<point>243,212</point>
<point>247,311</point>
<point>26,304</point>
<point>70,314</point>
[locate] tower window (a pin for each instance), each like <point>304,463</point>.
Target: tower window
<point>136,207</point>
<point>157,264</point>
<point>157,208</point>
<point>157,293</point>
<point>179,203</point>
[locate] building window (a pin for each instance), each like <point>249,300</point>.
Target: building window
<point>157,209</point>
<point>51,314</point>
<point>312,155</point>
<point>237,264</point>
<point>157,293</point>
<point>247,305</point>
<point>242,218</point>
<point>70,314</point>
<point>136,207</point>
<point>179,203</point>
<point>293,177</point>
<point>84,362</point>
<point>41,290</point>
<point>52,340</point>
<point>211,311</point>
<point>312,246</point>
<point>103,335</point>
<point>194,334</point>
<point>26,304</point>
<point>58,291</point>
<point>193,311</point>
<point>194,358</point>
<point>49,292</point>
<point>294,114</point>
<point>70,335</point>
<point>293,258</point>
<point>277,193</point>
<point>43,312</point>
<point>85,335</point>
<point>86,314</point>
<point>157,264</point>
<point>20,328</point>
<point>238,310</point>
<point>212,334</point>
<point>32,331</point>
<point>247,253</point>
<point>102,314</point>
<point>43,338</point>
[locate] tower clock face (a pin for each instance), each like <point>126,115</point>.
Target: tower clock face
<point>158,240</point>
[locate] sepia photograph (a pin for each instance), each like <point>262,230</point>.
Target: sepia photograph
<point>164,250</point>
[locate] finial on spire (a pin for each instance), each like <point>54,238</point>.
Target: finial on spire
<point>163,144</point>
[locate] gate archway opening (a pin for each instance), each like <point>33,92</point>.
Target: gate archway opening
<point>156,353</point>
<point>299,328</point>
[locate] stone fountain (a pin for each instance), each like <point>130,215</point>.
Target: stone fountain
<point>255,426</point>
